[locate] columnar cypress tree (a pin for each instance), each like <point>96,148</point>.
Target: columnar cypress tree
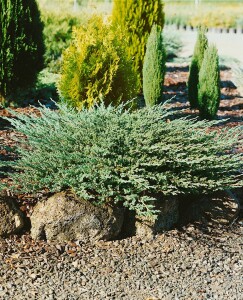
<point>154,67</point>
<point>209,84</point>
<point>21,45</point>
<point>197,58</point>
<point>136,19</point>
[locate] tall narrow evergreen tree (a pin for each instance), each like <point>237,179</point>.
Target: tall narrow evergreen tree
<point>209,84</point>
<point>21,45</point>
<point>197,58</point>
<point>154,67</point>
<point>136,19</point>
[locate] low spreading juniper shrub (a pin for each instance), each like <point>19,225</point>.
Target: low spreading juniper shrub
<point>109,154</point>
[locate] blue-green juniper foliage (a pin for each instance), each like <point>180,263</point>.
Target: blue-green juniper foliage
<point>134,158</point>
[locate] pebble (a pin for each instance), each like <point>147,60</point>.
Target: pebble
<point>201,266</point>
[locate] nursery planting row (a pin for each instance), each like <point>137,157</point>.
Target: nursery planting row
<point>225,14</point>
<point>212,14</point>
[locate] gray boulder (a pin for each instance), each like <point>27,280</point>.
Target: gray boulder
<point>220,208</point>
<point>166,220</point>
<point>12,219</point>
<point>65,217</point>
<point>147,227</point>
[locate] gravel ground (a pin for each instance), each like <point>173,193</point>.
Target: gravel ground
<point>185,264</point>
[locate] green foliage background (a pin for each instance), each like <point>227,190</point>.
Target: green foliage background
<point>21,45</point>
<point>172,42</point>
<point>58,32</point>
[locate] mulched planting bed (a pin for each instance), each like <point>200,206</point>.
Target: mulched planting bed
<point>192,262</point>
<point>231,104</point>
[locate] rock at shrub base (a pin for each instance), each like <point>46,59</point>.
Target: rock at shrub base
<point>220,208</point>
<point>147,227</point>
<point>11,220</point>
<point>65,217</point>
<point>166,219</point>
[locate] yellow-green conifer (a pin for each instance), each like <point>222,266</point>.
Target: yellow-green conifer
<point>96,67</point>
<point>136,18</point>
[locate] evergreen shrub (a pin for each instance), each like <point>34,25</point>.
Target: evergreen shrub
<point>209,84</point>
<point>154,67</point>
<point>96,67</point>
<point>136,19</point>
<point>172,43</point>
<point>58,29</point>
<point>21,45</point>
<point>108,154</point>
<point>196,62</point>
